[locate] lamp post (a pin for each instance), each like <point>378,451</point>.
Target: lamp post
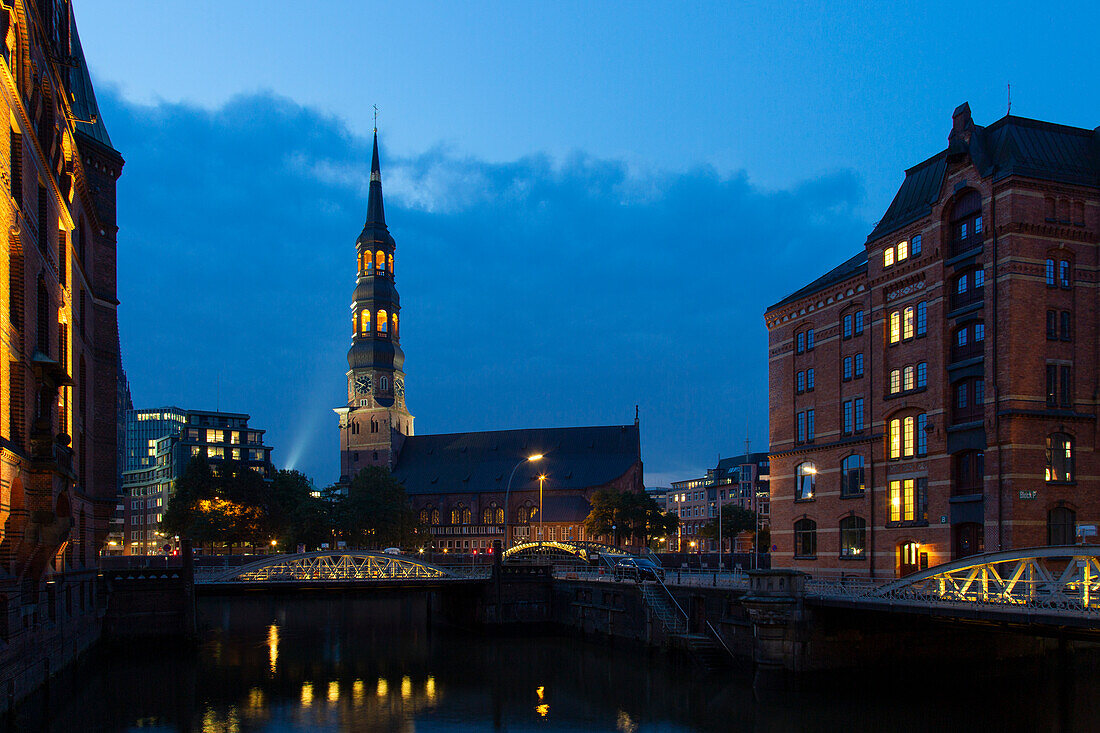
<point>508,490</point>
<point>542,478</point>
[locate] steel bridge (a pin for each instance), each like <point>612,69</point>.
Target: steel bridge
<point>562,550</point>
<point>1032,584</point>
<point>321,568</point>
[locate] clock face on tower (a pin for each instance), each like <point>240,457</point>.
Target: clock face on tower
<point>399,387</point>
<point>363,384</point>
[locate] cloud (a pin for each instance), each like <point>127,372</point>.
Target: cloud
<point>534,292</point>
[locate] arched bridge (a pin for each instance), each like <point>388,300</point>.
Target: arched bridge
<point>373,568</point>
<point>1058,585</point>
<point>561,550</point>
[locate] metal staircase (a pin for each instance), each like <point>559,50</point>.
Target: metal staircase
<point>708,648</point>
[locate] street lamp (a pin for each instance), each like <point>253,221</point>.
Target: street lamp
<point>508,490</point>
<point>542,478</point>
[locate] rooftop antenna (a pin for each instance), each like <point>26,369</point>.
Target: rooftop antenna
<point>1009,100</point>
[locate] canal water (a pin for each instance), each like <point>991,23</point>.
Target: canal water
<point>291,664</point>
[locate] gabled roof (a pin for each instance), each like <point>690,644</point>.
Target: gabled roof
<point>575,458</point>
<point>855,265</point>
<point>1011,146</point>
<point>84,105</point>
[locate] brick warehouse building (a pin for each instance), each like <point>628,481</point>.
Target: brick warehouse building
<point>459,484</point>
<point>935,396</point>
<point>60,351</point>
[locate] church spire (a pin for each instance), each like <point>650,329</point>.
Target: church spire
<point>376,214</point>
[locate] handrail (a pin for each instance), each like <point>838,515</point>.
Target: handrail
<point>718,637</point>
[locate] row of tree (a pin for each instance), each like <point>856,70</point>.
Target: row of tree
<point>235,506</point>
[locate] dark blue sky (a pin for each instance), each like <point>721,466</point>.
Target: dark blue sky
<point>592,204</point>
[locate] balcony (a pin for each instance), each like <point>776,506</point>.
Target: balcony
<point>972,350</point>
<point>959,246</point>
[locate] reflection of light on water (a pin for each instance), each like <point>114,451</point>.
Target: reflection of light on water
<point>273,646</point>
<point>357,692</point>
<point>625,723</point>
<point>383,688</point>
<point>406,688</point>
<point>333,691</point>
<point>307,694</point>
<point>255,698</point>
<point>211,723</point>
<point>543,709</point>
<point>429,689</point>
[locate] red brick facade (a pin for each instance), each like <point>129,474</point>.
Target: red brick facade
<point>59,354</point>
<point>979,406</point>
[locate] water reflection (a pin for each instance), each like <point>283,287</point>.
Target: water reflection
<point>299,664</point>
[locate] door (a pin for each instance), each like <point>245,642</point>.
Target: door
<point>908,558</point>
<point>969,539</point>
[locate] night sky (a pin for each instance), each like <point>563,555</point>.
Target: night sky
<point>593,204</point>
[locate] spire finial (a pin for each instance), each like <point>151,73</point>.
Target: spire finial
<point>376,119</point>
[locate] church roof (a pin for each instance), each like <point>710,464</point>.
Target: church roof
<point>575,458</point>
<point>84,104</point>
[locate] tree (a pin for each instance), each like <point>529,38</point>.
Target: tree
<point>735,520</point>
<point>633,514</point>
<point>376,512</point>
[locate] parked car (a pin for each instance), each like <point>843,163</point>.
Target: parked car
<point>392,551</point>
<point>637,569</point>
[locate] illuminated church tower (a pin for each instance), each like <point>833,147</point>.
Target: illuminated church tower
<point>375,421</point>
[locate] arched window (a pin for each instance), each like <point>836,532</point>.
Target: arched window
<point>384,383</point>
<point>1061,526</point>
<point>459,514</point>
<point>908,317</point>
<point>486,516</point>
<point>43,314</point>
<point>853,537</point>
<point>435,516</point>
<point>395,333</point>
<point>364,323</point>
<point>391,265</point>
<point>425,515</point>
<point>521,515</point>
<point>1059,458</point>
<point>909,378</point>
<point>805,538</point>
<point>968,341</point>
<point>383,323</point>
<point>895,327</point>
<point>969,472</point>
<point>805,481</point>
<point>380,262</point>
<point>368,260</point>
<point>851,476</point>
<point>498,515</point>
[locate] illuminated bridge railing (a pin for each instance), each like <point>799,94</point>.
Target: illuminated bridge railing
<point>561,548</point>
<point>331,567</point>
<point>1045,580</point>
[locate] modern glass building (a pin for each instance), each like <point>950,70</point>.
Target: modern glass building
<point>144,428</point>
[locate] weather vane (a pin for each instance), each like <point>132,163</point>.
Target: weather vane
<point>376,118</point>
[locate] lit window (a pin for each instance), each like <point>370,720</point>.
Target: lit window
<point>853,536</point>
<point>805,481</point>
<point>888,257</point>
<point>895,381</point>
<point>895,501</point>
<point>903,250</point>
<point>895,327</point>
<point>907,323</point>
<point>895,438</point>
<point>909,378</point>
<point>380,262</point>
<point>908,436</point>
<point>1059,458</point>
<point>391,265</point>
<point>383,322</point>
<point>364,323</point>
